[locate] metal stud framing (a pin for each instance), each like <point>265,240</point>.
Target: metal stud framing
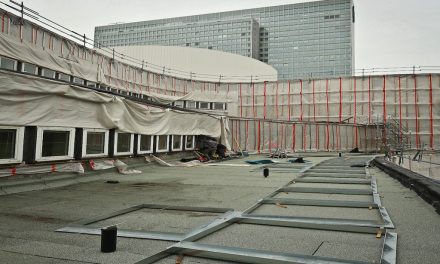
<point>82,227</point>
<point>240,255</point>
<point>187,244</point>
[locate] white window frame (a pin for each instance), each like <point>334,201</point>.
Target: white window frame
<point>172,143</point>
<point>39,151</point>
<point>179,104</point>
<point>193,142</point>
<point>19,138</point>
<point>139,151</point>
<point>77,78</point>
<point>63,74</point>
<point>192,102</point>
<point>157,144</point>
<point>223,106</point>
<point>91,84</point>
<point>22,68</point>
<point>84,143</point>
<point>115,146</point>
<point>15,63</point>
<point>44,69</point>
<point>200,105</point>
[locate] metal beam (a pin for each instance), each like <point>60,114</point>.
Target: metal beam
<point>337,165</point>
<point>336,181</point>
<point>83,228</point>
<point>346,170</point>
<point>326,190</point>
<point>161,255</point>
<point>243,255</point>
<point>389,250</point>
<point>346,225</point>
<point>324,203</point>
<point>335,176</point>
<point>166,236</point>
<point>373,185</point>
<point>217,224</point>
<point>383,212</point>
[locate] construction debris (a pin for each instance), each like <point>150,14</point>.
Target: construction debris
<point>39,169</point>
<point>108,164</point>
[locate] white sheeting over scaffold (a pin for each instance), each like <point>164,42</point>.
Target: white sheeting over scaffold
<point>318,106</point>
<point>32,101</point>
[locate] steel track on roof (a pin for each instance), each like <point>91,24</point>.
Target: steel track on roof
<point>187,243</point>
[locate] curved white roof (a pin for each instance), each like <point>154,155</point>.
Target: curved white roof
<point>204,64</point>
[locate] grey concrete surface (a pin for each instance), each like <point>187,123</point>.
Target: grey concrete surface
<point>300,241</point>
<point>28,219</point>
<point>417,224</point>
<point>160,221</point>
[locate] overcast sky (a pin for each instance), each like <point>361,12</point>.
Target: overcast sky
<point>388,33</point>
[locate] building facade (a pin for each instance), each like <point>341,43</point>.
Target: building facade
<point>303,40</point>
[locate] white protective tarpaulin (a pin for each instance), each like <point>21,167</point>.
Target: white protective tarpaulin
<point>32,101</point>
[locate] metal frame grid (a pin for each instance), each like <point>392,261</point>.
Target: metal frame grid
<point>328,224</point>
<point>242,255</point>
<point>186,244</point>
<point>82,227</point>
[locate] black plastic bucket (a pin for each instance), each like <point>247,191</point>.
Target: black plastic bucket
<point>266,172</point>
<point>108,239</point>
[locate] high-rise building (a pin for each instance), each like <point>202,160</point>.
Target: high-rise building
<point>302,40</point>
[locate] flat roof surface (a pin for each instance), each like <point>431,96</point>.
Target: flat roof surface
<point>28,220</point>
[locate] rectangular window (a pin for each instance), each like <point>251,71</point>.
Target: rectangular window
<point>123,143</point>
<point>11,144</point>
<point>54,143</point>
<point>95,142</point>
<point>7,143</point>
<point>204,105</point>
<point>190,142</point>
<point>8,64</point>
<point>178,103</point>
<point>122,92</point>
<point>177,142</point>
<point>91,84</point>
<point>63,77</point>
<point>29,68</point>
<point>218,106</point>
<point>190,105</point>
<point>103,87</point>
<point>145,144</point>
<point>48,73</point>
<point>162,143</point>
<point>78,81</point>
